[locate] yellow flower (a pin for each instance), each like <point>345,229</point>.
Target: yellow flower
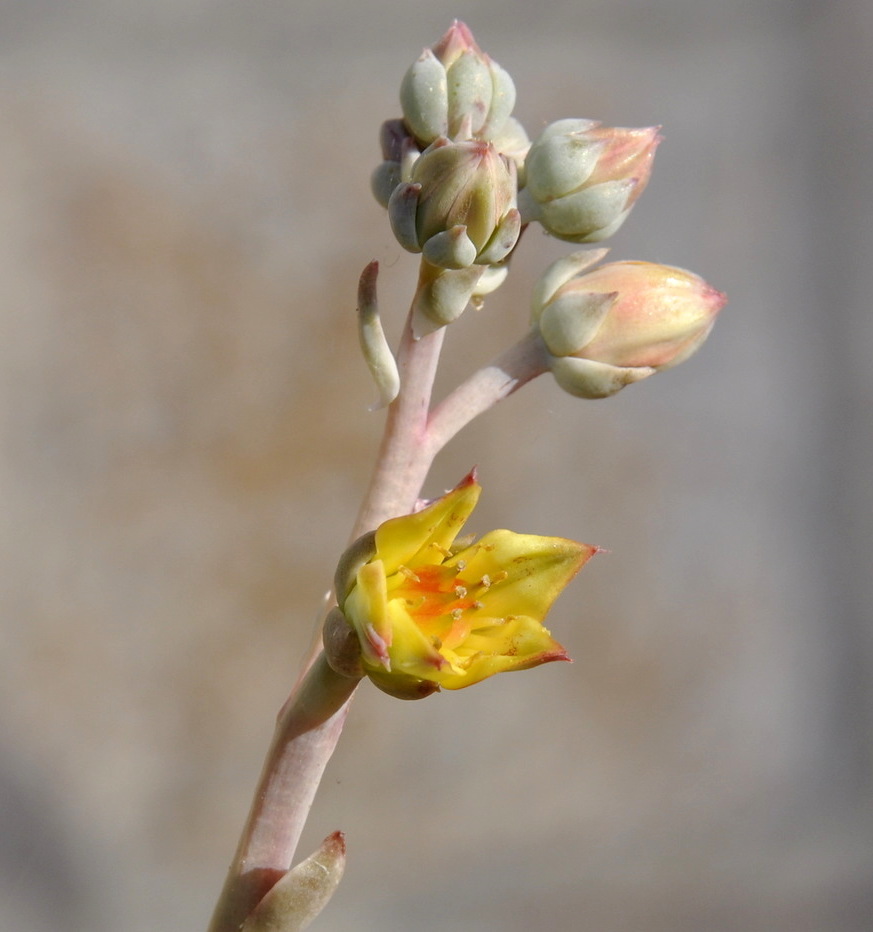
<point>430,615</point>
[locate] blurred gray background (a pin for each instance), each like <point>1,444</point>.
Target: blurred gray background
<point>184,211</point>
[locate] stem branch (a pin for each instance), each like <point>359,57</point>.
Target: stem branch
<point>506,374</point>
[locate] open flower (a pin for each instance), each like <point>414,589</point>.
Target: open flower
<point>430,615</point>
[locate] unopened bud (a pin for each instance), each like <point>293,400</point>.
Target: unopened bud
<point>458,210</point>
<point>621,322</point>
<point>455,90</point>
<point>581,179</point>
<point>458,207</point>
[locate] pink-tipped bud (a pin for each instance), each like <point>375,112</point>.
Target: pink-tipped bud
<point>627,154</point>
<point>621,322</point>
<point>457,40</point>
<point>455,90</point>
<point>582,178</point>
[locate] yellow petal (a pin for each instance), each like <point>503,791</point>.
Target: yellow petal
<point>366,608</point>
<point>519,574</point>
<point>412,651</point>
<point>423,537</point>
<point>427,618</point>
<point>518,643</point>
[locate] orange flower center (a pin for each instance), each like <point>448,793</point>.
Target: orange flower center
<point>437,599</point>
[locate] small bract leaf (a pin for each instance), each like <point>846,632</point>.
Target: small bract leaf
<point>302,893</point>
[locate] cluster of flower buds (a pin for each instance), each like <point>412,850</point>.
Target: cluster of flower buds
<point>449,175</point>
<point>453,91</point>
<point>619,323</point>
<point>461,180</point>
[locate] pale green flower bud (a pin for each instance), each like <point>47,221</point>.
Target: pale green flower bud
<point>455,90</point>
<point>619,323</point>
<point>581,179</point>
<point>458,207</point>
<point>458,210</point>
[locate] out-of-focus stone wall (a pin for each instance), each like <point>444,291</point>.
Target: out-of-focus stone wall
<point>184,210</point>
